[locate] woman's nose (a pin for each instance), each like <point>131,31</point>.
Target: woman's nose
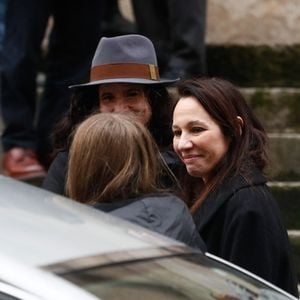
<point>184,143</point>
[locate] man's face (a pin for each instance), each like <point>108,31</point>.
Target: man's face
<point>125,97</point>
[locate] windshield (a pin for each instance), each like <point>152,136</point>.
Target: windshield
<point>178,277</point>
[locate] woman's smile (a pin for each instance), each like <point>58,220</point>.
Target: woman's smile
<point>198,139</point>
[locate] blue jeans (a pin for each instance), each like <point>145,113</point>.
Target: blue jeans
<point>27,122</point>
<point>2,17</point>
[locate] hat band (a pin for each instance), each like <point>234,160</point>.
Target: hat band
<point>125,70</point>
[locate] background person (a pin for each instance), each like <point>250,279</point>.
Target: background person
<point>2,18</point>
<point>223,146</point>
<point>28,122</point>
<point>177,30</point>
<point>114,165</point>
<point>124,78</point>
<point>113,22</point>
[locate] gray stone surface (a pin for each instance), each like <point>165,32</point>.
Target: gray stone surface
<point>285,157</point>
<point>277,108</point>
<point>253,22</point>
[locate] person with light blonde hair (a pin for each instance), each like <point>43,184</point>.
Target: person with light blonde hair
<point>115,165</point>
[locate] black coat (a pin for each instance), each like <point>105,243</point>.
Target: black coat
<point>56,178</point>
<point>242,224</point>
<point>162,213</point>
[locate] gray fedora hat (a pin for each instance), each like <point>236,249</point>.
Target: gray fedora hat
<point>125,59</point>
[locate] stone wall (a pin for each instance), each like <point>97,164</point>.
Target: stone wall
<point>254,22</point>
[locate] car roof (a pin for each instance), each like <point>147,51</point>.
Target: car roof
<point>41,228</point>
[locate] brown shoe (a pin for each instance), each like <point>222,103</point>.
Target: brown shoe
<point>22,164</point>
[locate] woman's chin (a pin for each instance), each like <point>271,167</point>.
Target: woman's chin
<point>193,172</point>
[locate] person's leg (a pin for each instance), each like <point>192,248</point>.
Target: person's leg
<point>2,19</point>
<point>72,44</point>
<point>113,22</point>
<point>152,21</point>
<point>25,25</point>
<point>187,19</point>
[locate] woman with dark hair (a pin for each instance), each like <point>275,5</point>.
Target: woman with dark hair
<point>124,78</point>
<point>223,146</point>
<point>126,183</point>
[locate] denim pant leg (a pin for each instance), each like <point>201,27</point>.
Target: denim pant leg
<point>2,19</point>
<point>187,24</point>
<point>152,21</point>
<point>177,29</point>
<point>25,25</point>
<point>72,44</point>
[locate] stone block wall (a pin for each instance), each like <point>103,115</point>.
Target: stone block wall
<point>254,22</point>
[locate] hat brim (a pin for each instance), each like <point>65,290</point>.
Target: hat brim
<point>126,80</point>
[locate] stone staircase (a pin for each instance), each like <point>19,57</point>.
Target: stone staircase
<point>279,111</point>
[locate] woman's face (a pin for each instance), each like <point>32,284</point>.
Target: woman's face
<point>125,97</point>
<point>198,139</point>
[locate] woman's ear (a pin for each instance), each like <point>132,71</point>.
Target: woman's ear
<point>240,123</point>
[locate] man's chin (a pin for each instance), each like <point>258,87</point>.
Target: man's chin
<point>141,117</point>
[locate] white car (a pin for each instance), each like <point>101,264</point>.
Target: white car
<point>56,249</point>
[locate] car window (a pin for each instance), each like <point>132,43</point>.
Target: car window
<point>180,278</point>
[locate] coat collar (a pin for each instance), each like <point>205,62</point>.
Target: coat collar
<point>216,199</point>
<point>111,206</point>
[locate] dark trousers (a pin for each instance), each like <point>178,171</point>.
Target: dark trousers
<point>27,122</point>
<point>2,14</point>
<point>177,29</point>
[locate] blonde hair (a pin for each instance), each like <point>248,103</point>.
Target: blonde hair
<point>112,157</point>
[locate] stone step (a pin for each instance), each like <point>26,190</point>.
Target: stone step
<point>255,65</point>
<point>278,108</point>
<point>294,236</point>
<point>287,195</point>
<point>284,151</point>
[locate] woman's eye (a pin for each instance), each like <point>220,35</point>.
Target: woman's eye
<point>197,129</point>
<point>176,132</point>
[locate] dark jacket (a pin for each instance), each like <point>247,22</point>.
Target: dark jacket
<point>162,213</point>
<point>56,178</point>
<point>242,224</point>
